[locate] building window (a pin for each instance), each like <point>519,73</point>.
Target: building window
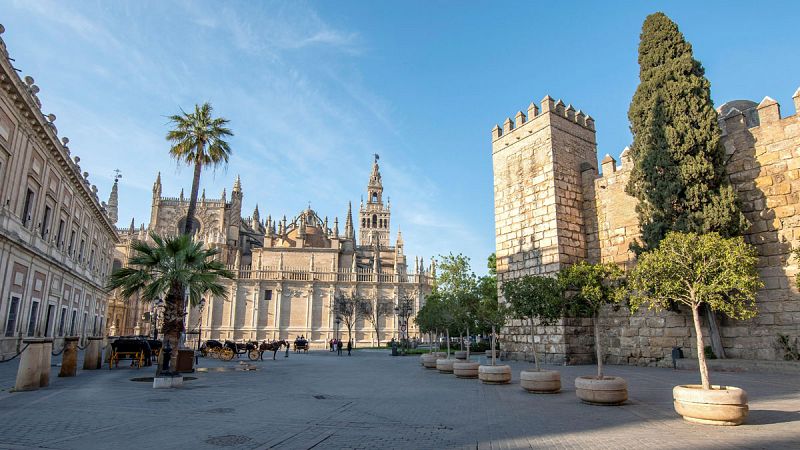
<point>72,323</point>
<point>60,234</point>
<point>80,250</point>
<point>71,242</point>
<point>85,320</point>
<point>62,320</point>
<point>11,322</point>
<point>32,318</point>
<point>46,222</point>
<point>374,221</point>
<point>374,197</point>
<point>48,320</point>
<point>26,210</point>
<point>91,259</point>
<point>94,326</point>
<point>268,294</point>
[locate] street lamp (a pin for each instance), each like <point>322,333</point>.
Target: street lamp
<point>338,320</point>
<point>201,306</point>
<point>157,303</point>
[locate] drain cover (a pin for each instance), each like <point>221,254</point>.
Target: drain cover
<point>319,397</point>
<point>228,440</point>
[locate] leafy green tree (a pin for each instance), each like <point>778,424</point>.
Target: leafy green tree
<point>678,173</point>
<point>457,286</point>
<point>589,287</point>
<point>696,269</point>
<point>494,316</point>
<point>165,270</point>
<point>536,298</point>
<point>198,139</point>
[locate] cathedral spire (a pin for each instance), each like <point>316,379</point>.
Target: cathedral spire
<point>157,186</point>
<point>349,233</point>
<point>336,227</point>
<point>256,216</point>
<point>113,202</point>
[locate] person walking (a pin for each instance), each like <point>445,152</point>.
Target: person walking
<point>349,346</point>
<point>287,350</point>
<point>339,347</point>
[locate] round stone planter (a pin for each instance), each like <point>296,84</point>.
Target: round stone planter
<point>461,355</point>
<point>440,354</point>
<point>608,391</point>
<point>489,354</point>
<point>445,365</point>
<point>720,405</point>
<point>465,369</point>
<point>495,374</point>
<point>422,359</point>
<point>429,361</point>
<point>540,382</point>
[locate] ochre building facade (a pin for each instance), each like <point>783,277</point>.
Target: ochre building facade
<point>288,271</point>
<point>554,208</point>
<point>56,237</point>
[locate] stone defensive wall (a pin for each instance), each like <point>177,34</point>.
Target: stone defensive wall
<point>553,208</point>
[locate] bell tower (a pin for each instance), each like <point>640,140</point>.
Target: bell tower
<point>374,216</point>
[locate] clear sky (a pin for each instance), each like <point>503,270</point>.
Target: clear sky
<point>312,90</point>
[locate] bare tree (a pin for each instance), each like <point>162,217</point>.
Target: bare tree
<point>346,307</point>
<point>373,311</point>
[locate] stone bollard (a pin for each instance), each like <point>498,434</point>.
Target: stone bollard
<point>91,356</point>
<point>44,368</point>
<point>69,360</point>
<point>29,372</point>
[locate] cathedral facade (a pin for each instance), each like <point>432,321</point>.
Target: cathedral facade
<point>287,271</point>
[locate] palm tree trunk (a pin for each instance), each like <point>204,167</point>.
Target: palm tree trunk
<point>701,353</point>
<point>597,347</point>
<point>172,327</point>
<point>187,228</point>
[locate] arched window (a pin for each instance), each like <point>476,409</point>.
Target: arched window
<point>374,197</point>
<point>374,221</point>
<point>363,223</point>
<point>116,265</point>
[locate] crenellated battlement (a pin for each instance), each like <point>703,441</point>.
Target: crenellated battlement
<point>766,113</point>
<point>547,106</point>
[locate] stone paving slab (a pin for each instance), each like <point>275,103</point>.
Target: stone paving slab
<point>374,401</point>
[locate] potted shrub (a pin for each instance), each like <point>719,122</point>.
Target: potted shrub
<point>494,316</point>
<point>537,299</point>
<point>589,287</point>
<point>426,322</point>
<point>693,270</point>
<point>466,318</point>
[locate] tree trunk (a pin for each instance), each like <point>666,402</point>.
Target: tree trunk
<point>172,327</point>
<point>461,340</point>
<point>533,346</point>
<point>448,343</point>
<point>187,228</point>
<point>469,342</point>
<point>493,341</point>
<point>597,346</point>
<point>701,354</point>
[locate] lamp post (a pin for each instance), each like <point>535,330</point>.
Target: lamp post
<point>338,320</point>
<point>403,311</point>
<point>202,306</point>
<point>157,303</point>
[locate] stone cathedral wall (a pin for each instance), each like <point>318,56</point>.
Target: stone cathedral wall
<point>763,163</point>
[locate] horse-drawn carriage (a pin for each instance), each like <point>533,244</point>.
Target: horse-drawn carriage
<point>226,351</point>
<point>301,345</point>
<point>136,349</point>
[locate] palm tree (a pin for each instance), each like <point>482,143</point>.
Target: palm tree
<point>166,269</point>
<point>199,139</point>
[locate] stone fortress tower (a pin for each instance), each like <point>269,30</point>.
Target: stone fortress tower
<point>553,208</point>
<point>288,272</point>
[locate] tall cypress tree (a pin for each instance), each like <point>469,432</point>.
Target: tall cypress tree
<point>678,172</point>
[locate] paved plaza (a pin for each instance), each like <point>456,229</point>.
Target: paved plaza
<point>372,400</point>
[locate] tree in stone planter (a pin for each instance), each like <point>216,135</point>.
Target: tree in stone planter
<point>494,316</point>
<point>426,318</point>
<point>346,308</point>
<point>457,286</point>
<point>536,298</point>
<point>375,311</point>
<point>588,288</point>
<point>696,270</point>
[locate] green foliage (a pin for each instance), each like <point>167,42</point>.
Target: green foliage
<point>678,173</point>
<point>479,347</point>
<point>535,297</point>
<point>694,269</point>
<point>155,270</point>
<point>199,138</point>
<point>590,286</point>
<point>709,352</point>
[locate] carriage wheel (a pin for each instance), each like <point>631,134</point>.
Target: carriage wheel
<point>226,354</point>
<point>253,355</point>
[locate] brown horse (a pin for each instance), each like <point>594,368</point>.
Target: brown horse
<point>274,346</point>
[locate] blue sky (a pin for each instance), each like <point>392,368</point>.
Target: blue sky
<point>314,89</point>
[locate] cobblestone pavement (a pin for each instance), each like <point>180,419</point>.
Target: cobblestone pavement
<point>374,401</point>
